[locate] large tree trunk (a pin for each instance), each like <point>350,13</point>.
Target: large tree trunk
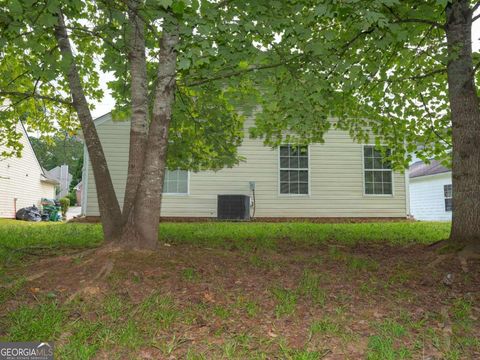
<point>141,229</point>
<point>139,96</point>
<point>108,204</point>
<point>465,113</point>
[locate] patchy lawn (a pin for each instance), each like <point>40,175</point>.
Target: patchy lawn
<point>241,291</point>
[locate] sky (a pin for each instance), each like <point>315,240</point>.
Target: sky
<point>107,103</point>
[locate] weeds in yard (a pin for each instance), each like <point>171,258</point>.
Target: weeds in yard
<point>324,326</point>
<point>222,312</point>
<point>250,307</point>
<point>84,341</point>
<point>309,286</point>
<point>382,348</point>
<point>190,274</point>
<point>43,322</point>
<point>114,307</point>
<point>159,311</point>
<point>357,263</point>
<point>286,301</point>
<point>301,354</point>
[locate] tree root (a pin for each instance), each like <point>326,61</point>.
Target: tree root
<point>92,287</point>
<point>469,252</point>
<point>463,253</point>
<point>29,278</point>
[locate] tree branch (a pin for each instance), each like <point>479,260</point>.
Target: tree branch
<point>421,21</point>
<point>475,18</point>
<point>36,96</point>
<point>414,20</point>
<point>235,73</point>
<point>428,74</point>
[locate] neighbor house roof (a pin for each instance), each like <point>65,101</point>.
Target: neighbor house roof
<point>421,169</point>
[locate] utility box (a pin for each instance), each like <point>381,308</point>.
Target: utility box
<point>233,207</point>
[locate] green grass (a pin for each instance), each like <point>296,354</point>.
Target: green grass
<point>280,291</point>
<point>286,301</point>
<point>16,236</point>
<point>40,322</point>
<point>309,287</point>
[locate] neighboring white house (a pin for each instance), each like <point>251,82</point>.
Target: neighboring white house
<point>430,191</point>
<point>339,178</point>
<point>64,178</point>
<point>22,180</point>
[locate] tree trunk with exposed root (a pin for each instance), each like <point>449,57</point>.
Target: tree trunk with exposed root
<point>465,113</point>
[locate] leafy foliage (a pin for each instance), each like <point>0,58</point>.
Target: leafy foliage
<point>374,68</point>
<point>56,150</point>
<point>206,127</point>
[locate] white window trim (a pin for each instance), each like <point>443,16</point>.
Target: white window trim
<point>180,194</point>
<point>363,175</point>
<point>279,168</point>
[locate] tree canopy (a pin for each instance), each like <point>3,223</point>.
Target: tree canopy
<point>379,64</point>
<point>58,150</point>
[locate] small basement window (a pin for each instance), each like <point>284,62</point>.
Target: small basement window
<point>447,191</point>
<point>377,172</point>
<point>175,182</point>
<point>294,169</point>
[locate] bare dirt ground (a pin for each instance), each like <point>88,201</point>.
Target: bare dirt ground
<point>322,302</point>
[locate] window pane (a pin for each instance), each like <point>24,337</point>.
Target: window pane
<point>167,187</point>
<point>377,176</point>
<point>303,188</point>
<point>377,153</point>
<point>294,151</point>
<point>284,188</point>
<point>284,162</point>
<point>304,162</point>
<point>368,176</point>
<point>368,188</point>
<point>294,188</point>
<point>387,188</point>
<point>368,151</point>
<point>368,163</point>
<point>284,175</point>
<point>377,188</point>
<point>284,150</point>
<point>448,204</point>
<point>303,150</point>
<point>303,176</point>
<point>447,189</point>
<point>387,176</point>
<point>293,176</point>
<point>182,187</point>
<point>294,162</point>
<point>377,163</point>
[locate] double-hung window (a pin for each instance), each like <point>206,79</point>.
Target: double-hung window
<point>447,192</point>
<point>175,182</point>
<point>294,169</point>
<point>377,172</point>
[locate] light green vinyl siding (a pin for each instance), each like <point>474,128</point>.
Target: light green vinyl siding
<point>335,174</point>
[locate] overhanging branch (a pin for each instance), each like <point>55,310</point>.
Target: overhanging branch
<point>235,73</point>
<point>26,95</point>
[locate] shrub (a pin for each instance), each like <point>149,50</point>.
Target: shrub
<point>65,204</point>
<point>72,195</point>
